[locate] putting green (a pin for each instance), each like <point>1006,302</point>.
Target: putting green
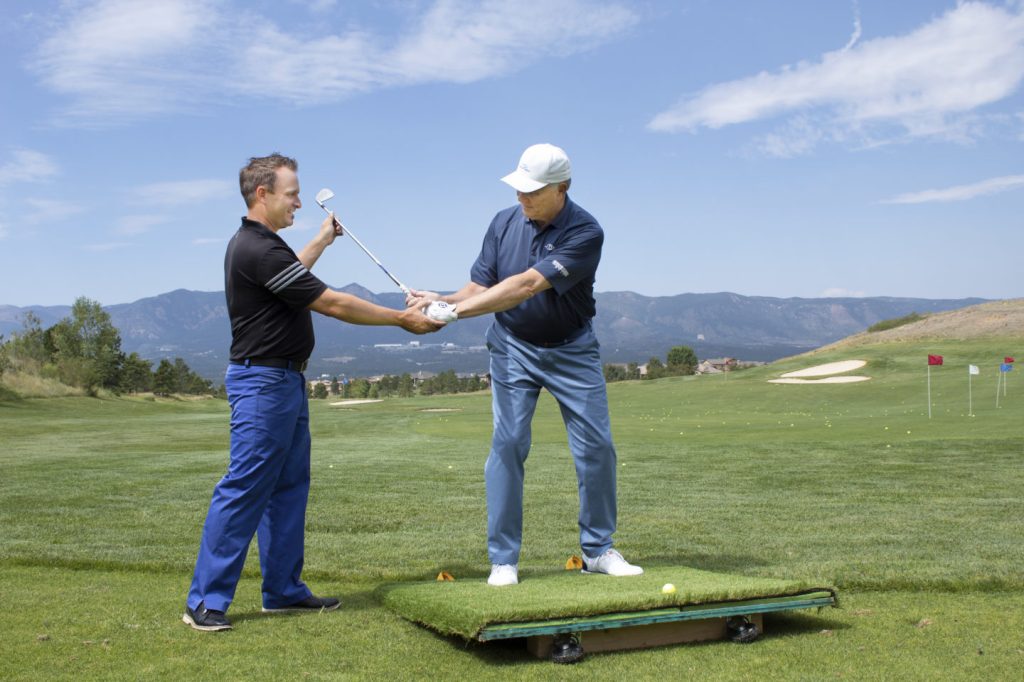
<point>472,609</point>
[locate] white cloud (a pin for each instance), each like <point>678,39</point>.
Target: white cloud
<point>796,137</point>
<point>123,59</point>
<point>961,192</point>
<point>839,292</point>
<point>464,42</point>
<point>923,83</point>
<point>316,6</point>
<point>203,241</point>
<point>855,36</point>
<point>3,231</point>
<point>138,224</point>
<point>106,246</point>
<point>453,41</point>
<point>48,211</point>
<point>179,192</point>
<point>27,166</point>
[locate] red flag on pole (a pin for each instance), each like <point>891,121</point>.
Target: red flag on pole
<point>934,359</point>
<point>1007,359</point>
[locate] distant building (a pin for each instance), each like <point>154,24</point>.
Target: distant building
<point>717,365</point>
<point>705,367</point>
<point>485,378</point>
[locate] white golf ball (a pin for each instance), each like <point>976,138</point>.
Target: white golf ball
<point>668,588</point>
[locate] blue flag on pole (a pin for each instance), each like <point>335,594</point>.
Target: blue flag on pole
<point>1005,367</point>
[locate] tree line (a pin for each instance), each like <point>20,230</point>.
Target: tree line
<point>681,360</point>
<point>84,350</point>
<point>402,386</point>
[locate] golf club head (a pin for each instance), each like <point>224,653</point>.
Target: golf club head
<point>324,195</point>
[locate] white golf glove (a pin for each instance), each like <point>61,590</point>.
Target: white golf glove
<point>441,311</point>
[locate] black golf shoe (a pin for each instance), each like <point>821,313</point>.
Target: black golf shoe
<point>310,603</point>
<point>204,619</point>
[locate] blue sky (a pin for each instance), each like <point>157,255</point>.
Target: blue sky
<point>797,148</point>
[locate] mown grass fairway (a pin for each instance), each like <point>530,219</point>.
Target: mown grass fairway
<point>916,521</point>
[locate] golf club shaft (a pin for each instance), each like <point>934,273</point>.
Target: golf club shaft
<point>380,265</point>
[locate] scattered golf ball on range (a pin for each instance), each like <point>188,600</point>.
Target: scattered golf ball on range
<point>668,588</point>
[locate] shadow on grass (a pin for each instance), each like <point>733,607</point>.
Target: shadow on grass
<point>362,600</point>
<point>467,571</point>
<point>717,563</point>
<point>494,653</point>
<point>464,571</point>
<point>791,624</point>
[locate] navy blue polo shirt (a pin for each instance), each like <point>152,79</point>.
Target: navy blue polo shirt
<point>268,290</point>
<point>566,252</point>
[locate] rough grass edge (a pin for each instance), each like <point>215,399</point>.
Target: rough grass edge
<point>17,384</point>
<point>896,322</point>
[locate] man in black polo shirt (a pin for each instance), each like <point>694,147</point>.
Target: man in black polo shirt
<point>270,293</point>
<point>536,273</point>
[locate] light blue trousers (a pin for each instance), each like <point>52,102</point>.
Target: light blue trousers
<point>264,491</point>
<point>573,375</point>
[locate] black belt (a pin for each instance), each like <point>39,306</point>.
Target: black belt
<point>279,363</point>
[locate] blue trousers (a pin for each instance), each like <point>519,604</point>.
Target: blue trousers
<point>264,491</point>
<point>573,375</point>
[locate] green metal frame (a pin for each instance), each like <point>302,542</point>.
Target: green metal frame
<point>693,612</point>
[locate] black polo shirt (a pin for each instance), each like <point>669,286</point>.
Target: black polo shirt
<point>268,289</point>
<point>566,252</point>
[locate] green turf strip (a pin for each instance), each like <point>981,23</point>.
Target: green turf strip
<point>465,607</point>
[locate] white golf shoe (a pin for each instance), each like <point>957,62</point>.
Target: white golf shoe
<point>504,574</point>
<point>612,563</point>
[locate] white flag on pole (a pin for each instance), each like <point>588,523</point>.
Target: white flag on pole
<point>973,369</point>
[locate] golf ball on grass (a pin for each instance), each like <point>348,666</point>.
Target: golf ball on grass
<point>668,588</point>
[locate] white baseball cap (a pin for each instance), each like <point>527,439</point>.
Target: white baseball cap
<point>540,165</point>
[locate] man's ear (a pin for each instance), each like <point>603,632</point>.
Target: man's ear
<point>261,192</point>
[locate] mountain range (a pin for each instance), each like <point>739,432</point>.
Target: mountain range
<point>194,325</point>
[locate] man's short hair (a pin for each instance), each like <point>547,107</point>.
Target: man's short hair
<point>262,170</point>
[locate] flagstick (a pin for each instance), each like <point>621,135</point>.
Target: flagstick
<point>930,392</point>
<point>999,379</point>
<point>970,398</point>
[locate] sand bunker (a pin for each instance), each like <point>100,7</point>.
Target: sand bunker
<point>824,371</point>
<point>827,380</point>
<point>827,369</point>
<point>355,402</point>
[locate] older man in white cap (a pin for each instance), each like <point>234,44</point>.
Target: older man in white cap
<point>536,273</point>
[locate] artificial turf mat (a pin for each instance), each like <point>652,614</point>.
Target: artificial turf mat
<point>465,607</point>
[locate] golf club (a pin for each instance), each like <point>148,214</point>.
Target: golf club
<point>326,195</point>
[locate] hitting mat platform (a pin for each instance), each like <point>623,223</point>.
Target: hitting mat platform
<point>603,613</point>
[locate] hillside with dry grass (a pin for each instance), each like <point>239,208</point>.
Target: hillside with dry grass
<point>996,319</point>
